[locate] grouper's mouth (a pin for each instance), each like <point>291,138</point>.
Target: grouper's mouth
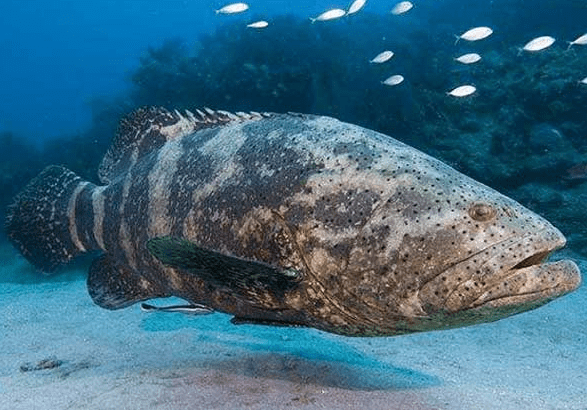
<point>506,278</point>
<point>525,282</point>
<point>539,282</point>
<point>528,278</point>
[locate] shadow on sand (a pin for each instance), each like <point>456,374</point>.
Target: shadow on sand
<point>364,375</point>
<point>296,355</point>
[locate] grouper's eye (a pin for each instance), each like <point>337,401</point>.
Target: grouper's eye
<point>481,212</point>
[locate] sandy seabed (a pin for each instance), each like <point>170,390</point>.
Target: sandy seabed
<point>60,351</point>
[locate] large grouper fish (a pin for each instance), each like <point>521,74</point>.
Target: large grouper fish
<point>290,219</point>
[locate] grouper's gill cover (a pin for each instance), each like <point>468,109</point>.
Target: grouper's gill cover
<point>291,219</point>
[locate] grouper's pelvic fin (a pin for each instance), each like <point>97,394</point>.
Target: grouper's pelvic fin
<point>41,223</point>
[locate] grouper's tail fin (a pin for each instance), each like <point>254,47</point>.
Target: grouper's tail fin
<point>41,223</point>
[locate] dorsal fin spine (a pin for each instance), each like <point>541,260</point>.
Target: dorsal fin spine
<point>191,116</point>
<point>202,115</point>
<point>178,114</point>
<point>230,115</point>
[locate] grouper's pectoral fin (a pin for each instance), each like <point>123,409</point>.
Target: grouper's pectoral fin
<point>114,286</point>
<point>238,275</point>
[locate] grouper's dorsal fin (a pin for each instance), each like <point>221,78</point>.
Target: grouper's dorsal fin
<point>147,129</point>
<point>238,276</point>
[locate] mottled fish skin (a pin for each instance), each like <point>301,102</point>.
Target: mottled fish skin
<point>384,239</point>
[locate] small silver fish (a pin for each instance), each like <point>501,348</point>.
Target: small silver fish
<point>233,8</point>
<point>258,24</point>
<point>190,309</point>
<point>394,80</point>
<point>401,8</point>
<point>580,41</point>
<point>462,91</point>
<point>329,15</point>
<point>475,34</point>
<point>538,44</point>
<point>583,81</point>
<point>470,58</point>
<point>356,6</point>
<point>382,57</point>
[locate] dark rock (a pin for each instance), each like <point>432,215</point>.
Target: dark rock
<point>44,364</point>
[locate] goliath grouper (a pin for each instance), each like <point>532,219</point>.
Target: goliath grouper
<point>290,219</point>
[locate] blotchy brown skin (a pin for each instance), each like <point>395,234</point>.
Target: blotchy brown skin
<point>387,239</point>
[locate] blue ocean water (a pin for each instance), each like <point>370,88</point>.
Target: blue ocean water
<point>59,56</point>
<point>70,70</point>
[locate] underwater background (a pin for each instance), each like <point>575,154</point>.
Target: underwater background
<point>70,70</point>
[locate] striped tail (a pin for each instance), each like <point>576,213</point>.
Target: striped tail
<point>41,223</point>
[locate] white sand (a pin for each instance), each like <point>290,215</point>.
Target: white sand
<point>128,359</point>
